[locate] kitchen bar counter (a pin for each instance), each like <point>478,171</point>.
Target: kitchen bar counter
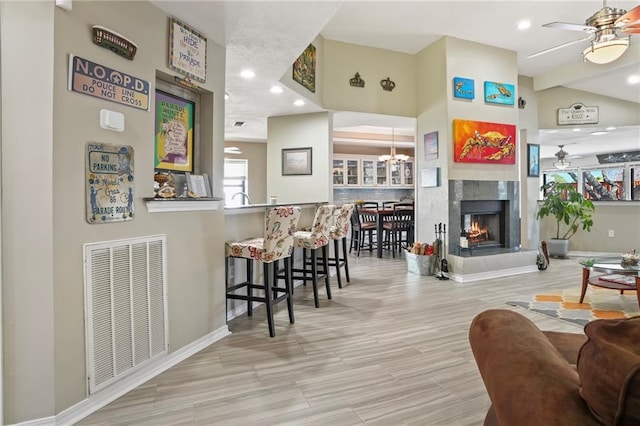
<point>260,208</point>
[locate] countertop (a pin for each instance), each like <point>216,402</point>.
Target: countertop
<point>253,208</point>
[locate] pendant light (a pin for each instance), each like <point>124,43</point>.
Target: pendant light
<point>562,163</point>
<point>393,157</point>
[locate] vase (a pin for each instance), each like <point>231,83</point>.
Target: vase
<point>557,247</point>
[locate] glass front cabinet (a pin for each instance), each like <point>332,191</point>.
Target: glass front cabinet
<point>346,172</point>
<point>369,171</point>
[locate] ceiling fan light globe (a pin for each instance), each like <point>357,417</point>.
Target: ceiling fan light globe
<point>561,164</point>
<point>606,51</point>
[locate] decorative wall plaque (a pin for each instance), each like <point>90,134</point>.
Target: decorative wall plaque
<point>187,50</point>
<point>103,82</point>
<point>109,183</point>
<point>578,114</point>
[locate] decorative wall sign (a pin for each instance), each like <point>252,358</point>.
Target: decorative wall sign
<point>499,93</point>
<point>109,182</point>
<point>533,160</point>
<point>388,84</point>
<point>578,114</point>
<point>103,82</point>
<point>356,81</point>
<point>430,177</point>
<point>187,50</point>
<point>174,133</point>
<point>464,88</point>
<point>304,68</point>
<point>480,142</point>
<point>431,146</point>
<point>115,42</point>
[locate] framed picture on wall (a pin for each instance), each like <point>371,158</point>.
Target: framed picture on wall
<point>635,183</point>
<point>431,146</point>
<point>296,161</point>
<point>174,118</point>
<point>533,160</point>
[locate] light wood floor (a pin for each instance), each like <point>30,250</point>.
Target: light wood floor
<point>391,348</point>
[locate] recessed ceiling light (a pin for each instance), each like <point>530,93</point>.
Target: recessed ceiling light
<point>610,128</point>
<point>276,89</point>
<point>598,133</point>
<point>577,130</point>
<point>226,96</point>
<point>247,74</point>
<point>298,102</point>
<point>553,131</point>
<point>634,79</point>
<point>524,24</point>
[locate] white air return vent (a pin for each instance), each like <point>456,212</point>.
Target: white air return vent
<point>125,307</point>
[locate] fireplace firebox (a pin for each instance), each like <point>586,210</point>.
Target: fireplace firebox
<point>482,222</point>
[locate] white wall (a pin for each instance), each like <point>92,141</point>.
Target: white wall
<point>27,202</point>
<point>300,131</point>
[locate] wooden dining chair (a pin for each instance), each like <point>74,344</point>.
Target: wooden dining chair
<point>363,227</point>
<point>399,228</point>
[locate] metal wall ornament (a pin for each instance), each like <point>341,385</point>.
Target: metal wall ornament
<point>387,84</point>
<point>117,43</point>
<point>356,81</point>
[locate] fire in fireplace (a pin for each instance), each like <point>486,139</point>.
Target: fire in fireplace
<point>482,222</point>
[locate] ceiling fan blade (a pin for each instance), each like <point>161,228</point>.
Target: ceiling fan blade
<point>570,27</point>
<point>560,46</point>
<point>629,23</point>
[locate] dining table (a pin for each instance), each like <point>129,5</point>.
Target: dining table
<point>380,214</point>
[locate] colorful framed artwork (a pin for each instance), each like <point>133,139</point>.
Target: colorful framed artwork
<point>463,88</point>
<point>533,160</point>
<point>431,146</point>
<point>296,161</point>
<point>304,68</point>
<point>187,50</point>
<point>635,183</point>
<point>481,142</point>
<point>499,93</point>
<point>606,184</point>
<point>174,120</point>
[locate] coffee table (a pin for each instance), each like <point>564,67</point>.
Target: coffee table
<point>607,266</point>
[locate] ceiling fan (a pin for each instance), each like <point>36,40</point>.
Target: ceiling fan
<point>609,30</point>
<point>562,162</point>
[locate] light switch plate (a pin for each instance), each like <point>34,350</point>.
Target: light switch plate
<point>112,120</point>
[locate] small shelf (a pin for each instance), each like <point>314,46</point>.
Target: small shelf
<point>164,205</point>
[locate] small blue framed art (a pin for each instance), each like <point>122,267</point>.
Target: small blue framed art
<point>499,93</point>
<point>463,88</point>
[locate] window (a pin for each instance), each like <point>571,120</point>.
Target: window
<point>235,183</point>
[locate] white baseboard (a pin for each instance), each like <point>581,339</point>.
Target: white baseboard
<point>493,274</point>
<point>107,395</point>
<point>45,421</point>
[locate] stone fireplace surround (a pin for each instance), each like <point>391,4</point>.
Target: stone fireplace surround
<point>509,260</point>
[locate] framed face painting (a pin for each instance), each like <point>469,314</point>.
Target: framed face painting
<point>533,160</point>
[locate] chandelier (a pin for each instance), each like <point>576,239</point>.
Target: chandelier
<point>393,157</point>
<point>562,163</point>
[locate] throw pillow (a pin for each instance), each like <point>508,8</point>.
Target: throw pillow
<point>609,369</point>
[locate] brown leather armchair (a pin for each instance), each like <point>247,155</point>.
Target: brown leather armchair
<point>536,377</point>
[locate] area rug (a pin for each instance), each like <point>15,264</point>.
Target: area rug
<point>598,304</point>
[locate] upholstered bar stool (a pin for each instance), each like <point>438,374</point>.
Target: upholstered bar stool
<point>338,233</point>
<point>279,228</point>
<point>317,238</point>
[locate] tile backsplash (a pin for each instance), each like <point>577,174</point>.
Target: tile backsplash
<point>349,195</point>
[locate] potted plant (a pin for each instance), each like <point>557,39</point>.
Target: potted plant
<point>571,212</point>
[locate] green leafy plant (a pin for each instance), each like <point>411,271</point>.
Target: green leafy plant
<point>569,208</point>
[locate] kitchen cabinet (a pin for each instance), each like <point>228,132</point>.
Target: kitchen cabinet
<point>369,171</point>
<point>346,172</point>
